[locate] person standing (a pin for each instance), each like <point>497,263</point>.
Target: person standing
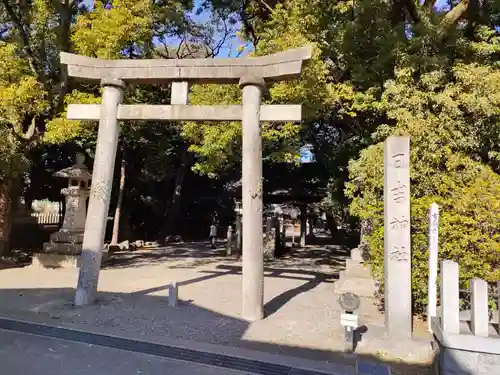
<point>213,235</point>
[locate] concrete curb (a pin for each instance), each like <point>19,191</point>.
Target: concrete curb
<point>35,324</point>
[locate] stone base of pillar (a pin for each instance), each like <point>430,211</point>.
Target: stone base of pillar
<point>66,237</point>
<point>45,260</point>
<point>63,251</point>
<point>41,260</point>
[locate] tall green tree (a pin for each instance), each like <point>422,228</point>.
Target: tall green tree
<point>399,67</point>
<point>32,86</point>
<point>34,89</point>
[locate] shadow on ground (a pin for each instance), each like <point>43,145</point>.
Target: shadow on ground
<point>199,253</point>
<point>194,254</point>
<point>149,317</point>
<point>313,279</point>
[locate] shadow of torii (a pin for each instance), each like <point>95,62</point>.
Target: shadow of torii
<point>312,278</point>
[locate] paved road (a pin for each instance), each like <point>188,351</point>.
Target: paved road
<point>25,354</point>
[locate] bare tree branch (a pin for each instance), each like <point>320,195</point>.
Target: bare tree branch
<point>243,49</point>
<point>220,44</point>
<point>177,53</point>
<point>165,53</point>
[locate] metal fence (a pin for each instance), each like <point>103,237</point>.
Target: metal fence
<point>47,218</point>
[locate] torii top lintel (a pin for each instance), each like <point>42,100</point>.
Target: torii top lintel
<point>276,67</point>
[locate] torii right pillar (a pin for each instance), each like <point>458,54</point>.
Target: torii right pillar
<point>253,250</point>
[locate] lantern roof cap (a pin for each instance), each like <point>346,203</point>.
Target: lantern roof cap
<point>79,171</point>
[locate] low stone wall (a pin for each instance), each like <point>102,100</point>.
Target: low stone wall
<point>466,354</point>
<point>464,348</point>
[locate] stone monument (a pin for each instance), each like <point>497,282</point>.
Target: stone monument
<point>397,241</point>
<point>65,245</point>
<point>250,73</point>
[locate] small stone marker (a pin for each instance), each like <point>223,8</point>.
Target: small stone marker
<point>479,307</point>
<point>450,299</point>
<point>397,241</point>
<point>239,235</point>
<point>172,294</point>
<point>229,248</point>
<point>357,255</point>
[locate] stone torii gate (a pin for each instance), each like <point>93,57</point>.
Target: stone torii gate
<point>250,73</point>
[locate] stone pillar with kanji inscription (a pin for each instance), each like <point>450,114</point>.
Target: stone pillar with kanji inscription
<point>100,192</point>
<point>397,241</point>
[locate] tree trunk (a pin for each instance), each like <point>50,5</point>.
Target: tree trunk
<point>173,212</point>
<point>5,216</point>
<point>116,221</point>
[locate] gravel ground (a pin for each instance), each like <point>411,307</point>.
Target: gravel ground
<point>303,316</point>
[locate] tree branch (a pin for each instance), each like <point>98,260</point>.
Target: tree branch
<point>28,135</point>
<point>412,10</point>
<point>248,26</point>
<point>215,50</point>
<point>34,66</point>
<point>452,17</point>
<point>429,4</point>
<point>266,5</point>
<point>399,10</point>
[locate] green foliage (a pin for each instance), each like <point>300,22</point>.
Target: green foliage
<point>21,96</point>
<point>218,144</point>
<point>104,32</point>
<point>59,130</point>
<point>379,68</point>
<point>453,124</point>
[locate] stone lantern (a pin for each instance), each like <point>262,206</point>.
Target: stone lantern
<point>65,245</point>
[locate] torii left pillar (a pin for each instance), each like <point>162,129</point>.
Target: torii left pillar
<point>100,192</point>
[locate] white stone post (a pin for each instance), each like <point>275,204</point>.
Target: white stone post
<point>100,192</point>
<point>450,298</point>
<point>480,318</point>
<point>397,241</point>
<point>253,252</point>
<point>433,263</point>
<point>173,294</point>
